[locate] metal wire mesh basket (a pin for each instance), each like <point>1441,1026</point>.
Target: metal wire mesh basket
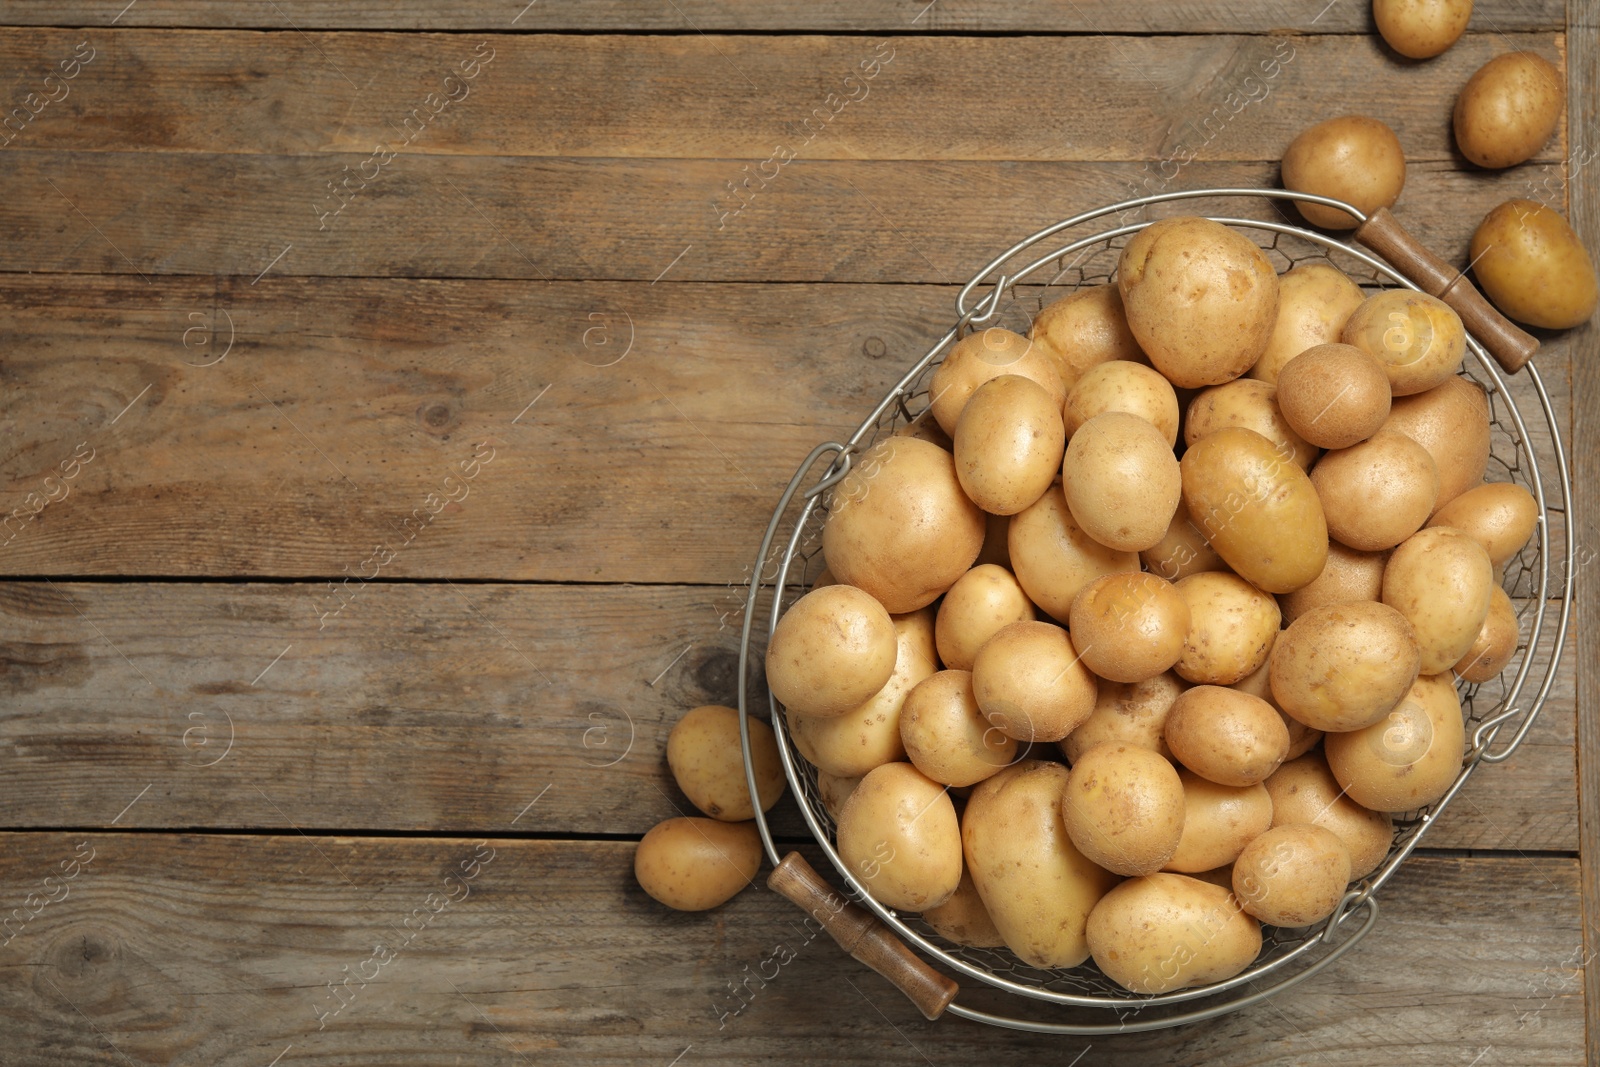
<point>1526,448</point>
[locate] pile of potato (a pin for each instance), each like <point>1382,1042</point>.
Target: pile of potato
<point>1085,678</point>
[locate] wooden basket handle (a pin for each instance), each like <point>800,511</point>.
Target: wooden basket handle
<point>863,936</point>
<point>1511,346</point>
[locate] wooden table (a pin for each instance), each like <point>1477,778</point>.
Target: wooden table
<point>395,499</point>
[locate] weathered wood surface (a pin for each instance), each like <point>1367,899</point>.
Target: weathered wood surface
<point>217,949</point>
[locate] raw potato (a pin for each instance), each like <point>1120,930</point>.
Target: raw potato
<point>1344,666</point>
<point>834,791</point>
<point>1037,887</point>
<point>1232,626</point>
<point>1085,329</point>
<point>983,355</point>
<point>1031,683</point>
<point>1334,395</point>
<point>1200,298</point>
<point>1314,302</point>
<point>1218,821</point>
<point>1419,339</point>
<point>1377,493</point>
<point>1421,29</point>
<point>830,651</point>
<point>1226,736</point>
<point>1008,444</point>
<point>1350,575</point>
<point>1054,558</point>
<point>1123,808</point>
<point>982,602</point>
<point>1257,508</point>
<point>899,836</point>
<point>1302,738</point>
<point>1121,481</point>
<point>963,918</point>
<point>1496,643</point>
<point>1440,580</point>
<point>1183,551</point>
<point>1530,263</point>
<point>900,525</point>
<point>1500,516</point>
<point>1129,627</point>
<point>1351,158</point>
<point>1123,386</point>
<point>1134,714</point>
<point>692,864</point>
<point>1508,110</point>
<point>1304,790</point>
<point>1292,875</point>
<point>926,428</point>
<point>707,762</point>
<point>1169,931</point>
<point>1408,759</point>
<point>947,737</point>
<point>1253,405</point>
<point>1451,421</point>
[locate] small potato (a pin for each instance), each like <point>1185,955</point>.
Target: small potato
<point>986,354</point>
<point>1054,558</point>
<point>1232,625</point>
<point>1421,29</point>
<point>834,791</point>
<point>1344,666</point>
<point>1031,683</point>
<point>1218,821</point>
<point>1253,405</point>
<point>1123,808</point>
<point>1084,329</point>
<point>1419,339</point>
<point>1304,790</point>
<point>1530,263</point>
<point>1408,759</point>
<point>1168,931</point>
<point>963,918</point>
<point>982,602</point>
<point>1008,444</point>
<point>1302,738</point>
<point>926,428</point>
<point>1451,421</point>
<point>1200,298</point>
<point>899,835</point>
<point>1496,643</point>
<point>1500,516</point>
<point>947,737</point>
<point>1123,386</point>
<point>1121,481</point>
<point>1226,736</point>
<point>1377,493</point>
<point>1134,714</point>
<point>1349,576</point>
<point>693,864</point>
<point>707,762</point>
<point>830,651</point>
<point>1314,302</point>
<point>1509,109</point>
<point>1292,875</point>
<point>1440,580</point>
<point>1129,627</point>
<point>1334,396</point>
<point>1351,158</point>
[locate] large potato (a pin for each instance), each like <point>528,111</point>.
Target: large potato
<point>1419,339</point>
<point>1440,580</point>
<point>1377,493</point>
<point>1129,626</point>
<point>1344,666</point>
<point>1351,158</point>
<point>1530,263</point>
<point>692,864</point>
<point>1408,759</point>
<point>1168,931</point>
<point>1254,405</point>
<point>1200,298</point>
<point>1500,516</point>
<point>1121,481</point>
<point>1008,444</point>
<point>986,354</point>
<point>1123,808</point>
<point>982,602</point>
<point>1232,626</point>
<point>1134,714</point>
<point>1333,395</point>
<point>1292,875</point>
<point>1084,329</point>
<point>963,918</point>
<point>707,762</point>
<point>1123,386</point>
<point>1031,683</point>
<point>1496,644</point>
<point>1451,421</point>
<point>1304,790</point>
<point>830,651</point>
<point>1314,302</point>
<point>1226,736</point>
<point>898,834</point>
<point>1509,109</point>
<point>1054,558</point>
<point>1183,551</point>
<point>1421,29</point>
<point>946,735</point>
<point>1218,821</point>
<point>1349,575</point>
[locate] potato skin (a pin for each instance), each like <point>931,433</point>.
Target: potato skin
<point>1129,627</point>
<point>1232,626</point>
<point>1421,29</point>
<point>1054,558</point>
<point>1344,666</point>
<point>1084,329</point>
<point>1304,790</point>
<point>1509,109</point>
<point>830,651</point>
<point>1121,481</point>
<point>1226,736</point>
<point>1418,339</point>
<point>707,762</point>
<point>1254,405</point>
<point>963,918</point>
<point>1350,575</point>
<point>1123,808</point>
<point>985,599</point>
<point>1530,263</point>
<point>1123,386</point>
<point>1302,738</point>
<point>1333,396</point>
<point>946,735</point>
<point>1168,931</point>
<point>1031,684</point>
<point>899,836</point>
<point>1292,875</point>
<point>1408,759</point>
<point>1451,421</point>
<point>1440,580</point>
<point>1315,300</point>
<point>1500,516</point>
<point>1218,821</point>
<point>1351,158</point>
<point>1496,643</point>
<point>1134,714</point>
<point>693,864</point>
<point>1183,551</point>
<point>1377,493</point>
<point>986,354</point>
<point>1008,444</point>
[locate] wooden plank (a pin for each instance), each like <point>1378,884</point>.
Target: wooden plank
<point>1156,98</point>
<point>221,950</point>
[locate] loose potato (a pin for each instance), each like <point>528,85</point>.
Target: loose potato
<point>1344,666</point>
<point>1168,931</point>
<point>963,918</point>
<point>1123,386</point>
<point>1008,444</point>
<point>1500,516</point>
<point>1252,404</point>
<point>1232,625</point>
<point>1419,339</point>
<point>982,602</point>
<point>1314,302</point>
<point>1129,627</point>
<point>1226,736</point>
<point>1218,821</point>
<point>1408,759</point>
<point>834,791</point>
<point>1304,790</point>
<point>692,864</point>
<point>947,737</point>
<point>1084,329</point>
<point>1292,875</point>
<point>1421,29</point>
<point>1200,298</point>
<point>898,834</point>
<point>1451,421</point>
<point>1031,683</point>
<point>830,651</point>
<point>1530,263</point>
<point>1351,158</point>
<point>1054,558</point>
<point>1302,738</point>
<point>1377,493</point>
<point>1440,580</point>
<point>1508,110</point>
<point>707,762</point>
<point>986,354</point>
<point>1183,551</point>
<point>1134,714</point>
<point>1334,395</point>
<point>1496,643</point>
<point>1121,481</point>
<point>1123,808</point>
<point>1350,575</point>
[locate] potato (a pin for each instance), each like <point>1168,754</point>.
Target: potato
<point>1037,887</point>
<point>830,651</point>
<point>926,428</point>
<point>1304,790</point>
<point>1419,339</point>
<point>984,600</point>
<point>1129,627</point>
<point>1334,395</point>
<point>852,744</point>
<point>1508,110</point>
<point>1031,683</point>
<point>1226,736</point>
<point>1302,738</point>
<point>1292,875</point>
<point>1008,444</point>
<point>1168,931</point>
<point>1451,421</point>
<point>1440,580</point>
<point>1123,808</point>
<point>1232,625</point>
<point>1256,508</point>
<point>1314,302</point>
<point>1408,759</point>
<point>1253,405</point>
<point>1200,298</point>
<point>945,734</point>
<point>1218,821</point>
<point>963,918</point>
<point>1350,575</point>
<point>1134,714</point>
<point>898,834</point>
<point>1500,516</point>
<point>707,762</point>
<point>1351,158</point>
<point>1054,558</point>
<point>1122,386</point>
<point>834,791</point>
<point>1344,666</point>
<point>692,864</point>
<point>1530,263</point>
<point>1084,329</point>
<point>900,526</point>
<point>1183,551</point>
<point>1121,481</point>
<point>1421,29</point>
<point>1377,493</point>
<point>986,354</point>
<point>1496,643</point>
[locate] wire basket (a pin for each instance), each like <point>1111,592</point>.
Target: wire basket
<point>1498,713</point>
